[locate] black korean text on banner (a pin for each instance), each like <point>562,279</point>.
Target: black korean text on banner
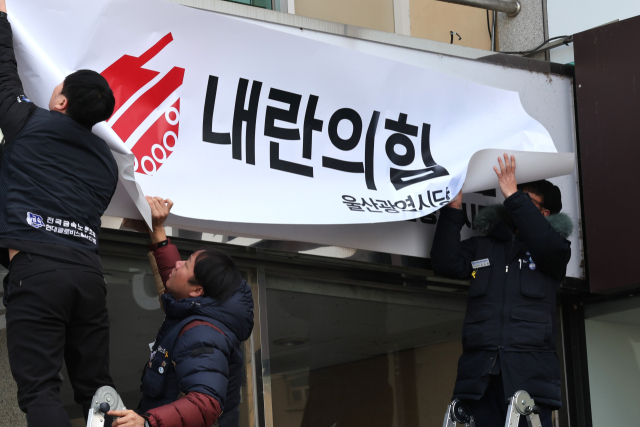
<point>351,143</point>
<point>429,199</point>
<point>271,130</point>
<point>127,76</point>
<point>403,178</point>
<point>400,178</point>
<point>240,115</point>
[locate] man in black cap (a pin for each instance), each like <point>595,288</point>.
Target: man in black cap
<point>510,327</point>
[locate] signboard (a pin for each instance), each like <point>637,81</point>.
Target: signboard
<point>103,33</point>
<point>236,122</point>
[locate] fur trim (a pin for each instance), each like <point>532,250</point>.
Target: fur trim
<point>492,214</point>
<point>561,223</point>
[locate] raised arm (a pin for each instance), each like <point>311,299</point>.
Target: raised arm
<point>550,251</point>
<point>15,108</point>
<point>165,253</point>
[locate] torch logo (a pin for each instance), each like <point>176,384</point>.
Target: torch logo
<point>147,111</point>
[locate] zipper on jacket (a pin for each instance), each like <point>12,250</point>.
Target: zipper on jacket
<point>504,290</point>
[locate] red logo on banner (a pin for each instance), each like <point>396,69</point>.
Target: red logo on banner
<point>139,94</point>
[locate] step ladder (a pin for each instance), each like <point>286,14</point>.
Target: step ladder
<point>521,404</point>
<point>106,399</point>
<point>458,412</point>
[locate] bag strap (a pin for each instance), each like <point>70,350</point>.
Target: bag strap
<point>200,322</point>
<point>195,323</point>
<point>169,337</point>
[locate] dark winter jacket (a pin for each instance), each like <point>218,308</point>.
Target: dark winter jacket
<point>56,177</point>
<point>511,311</point>
<point>197,354</point>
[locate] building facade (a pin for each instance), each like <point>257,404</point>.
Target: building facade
<point>351,325</point>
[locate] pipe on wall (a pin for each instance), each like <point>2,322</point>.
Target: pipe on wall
<point>511,8</point>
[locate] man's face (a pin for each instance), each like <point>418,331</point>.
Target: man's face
<point>537,200</point>
<point>178,283</point>
<point>58,101</point>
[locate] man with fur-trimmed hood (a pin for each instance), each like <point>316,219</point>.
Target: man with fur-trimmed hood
<point>510,327</point>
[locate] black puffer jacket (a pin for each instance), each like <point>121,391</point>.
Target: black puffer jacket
<point>511,312</point>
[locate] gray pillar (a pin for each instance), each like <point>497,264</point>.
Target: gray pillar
<point>10,414</point>
<point>525,31</point>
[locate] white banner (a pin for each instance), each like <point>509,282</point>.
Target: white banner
<point>239,123</point>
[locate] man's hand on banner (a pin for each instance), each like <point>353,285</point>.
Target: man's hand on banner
<point>160,209</point>
<point>3,6</point>
<point>456,203</point>
<point>507,175</point>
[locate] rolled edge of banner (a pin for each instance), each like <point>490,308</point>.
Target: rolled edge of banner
<point>126,176</point>
<point>530,166</point>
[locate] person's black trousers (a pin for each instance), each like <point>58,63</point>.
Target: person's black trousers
<point>491,409</point>
<point>55,311</point>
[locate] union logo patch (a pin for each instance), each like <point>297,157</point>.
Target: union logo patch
<point>34,220</point>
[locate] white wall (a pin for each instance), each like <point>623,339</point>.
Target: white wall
<point>573,16</point>
<point>613,352</point>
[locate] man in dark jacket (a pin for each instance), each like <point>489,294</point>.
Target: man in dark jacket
<point>56,180</point>
<point>197,353</point>
<point>510,327</point>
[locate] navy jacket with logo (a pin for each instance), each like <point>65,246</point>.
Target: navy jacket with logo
<point>197,355</point>
<point>510,326</point>
<point>56,177</point>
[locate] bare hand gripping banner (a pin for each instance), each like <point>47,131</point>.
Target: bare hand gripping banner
<point>236,122</point>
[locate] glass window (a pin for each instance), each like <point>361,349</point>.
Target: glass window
<point>613,353</point>
<point>335,343</point>
<point>265,4</point>
<point>347,354</point>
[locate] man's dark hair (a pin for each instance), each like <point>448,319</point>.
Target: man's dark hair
<point>216,272</point>
<point>551,197</point>
<point>89,97</point>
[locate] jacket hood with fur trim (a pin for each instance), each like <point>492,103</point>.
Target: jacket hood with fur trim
<point>487,219</point>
